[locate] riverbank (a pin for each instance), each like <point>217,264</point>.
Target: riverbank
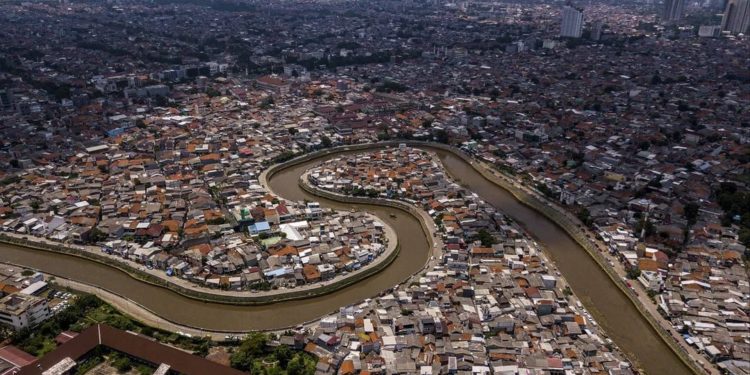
<point>229,317</point>
<point>144,315</point>
<point>259,295</point>
<point>577,231</point>
<point>335,177</point>
<point>427,223</point>
<point>628,333</point>
<point>190,290</point>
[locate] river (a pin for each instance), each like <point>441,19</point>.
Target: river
<point>610,308</point>
<point>223,317</point>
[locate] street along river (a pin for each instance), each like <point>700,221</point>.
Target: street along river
<point>611,309</point>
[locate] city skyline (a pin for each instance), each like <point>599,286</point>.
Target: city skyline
<point>386,187</point>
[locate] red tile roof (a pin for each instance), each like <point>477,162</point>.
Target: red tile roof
<point>132,344</point>
<point>16,356</point>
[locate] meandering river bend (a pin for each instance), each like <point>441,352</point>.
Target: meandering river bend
<point>612,310</point>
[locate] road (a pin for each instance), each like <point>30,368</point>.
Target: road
<point>638,291</point>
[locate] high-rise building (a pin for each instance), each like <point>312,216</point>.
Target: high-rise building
<point>673,10</point>
<point>6,99</point>
<point>572,22</point>
<point>736,17</point>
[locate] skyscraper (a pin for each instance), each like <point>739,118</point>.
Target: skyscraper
<point>572,22</point>
<point>6,99</point>
<point>673,10</point>
<point>736,17</point>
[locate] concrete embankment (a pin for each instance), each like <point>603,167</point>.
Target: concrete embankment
<point>426,222</point>
<point>209,315</point>
<point>204,294</point>
<point>576,231</point>
<point>618,307</point>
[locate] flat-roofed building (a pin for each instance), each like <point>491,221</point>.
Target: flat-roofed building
<point>20,311</point>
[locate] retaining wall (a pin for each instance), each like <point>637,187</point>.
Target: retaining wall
<point>421,216</point>
<point>197,294</point>
<point>541,205</point>
<point>537,202</point>
<point>574,230</point>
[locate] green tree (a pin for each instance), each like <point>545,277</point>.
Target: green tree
<point>120,322</point>
<point>567,291</point>
<point>647,225</point>
<point>325,141</point>
<point>212,92</point>
<point>301,364</point>
<point>485,237</point>
<point>97,235</point>
<point>442,136</point>
<point>283,354</point>
<point>585,216</point>
<point>634,273</point>
<point>122,364</point>
<point>203,348</point>
<point>252,347</point>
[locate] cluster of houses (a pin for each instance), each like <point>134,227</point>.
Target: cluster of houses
<point>398,173</point>
<point>706,295</point>
<point>191,203</point>
<point>490,304</point>
<point>298,250</point>
<point>703,290</point>
<point>288,245</point>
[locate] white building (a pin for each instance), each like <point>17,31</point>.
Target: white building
<point>709,31</point>
<point>572,22</point>
<point>20,311</point>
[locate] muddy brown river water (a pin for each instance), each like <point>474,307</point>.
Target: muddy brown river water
<point>611,309</point>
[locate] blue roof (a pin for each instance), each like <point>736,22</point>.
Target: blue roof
<point>260,226</point>
<point>277,272</point>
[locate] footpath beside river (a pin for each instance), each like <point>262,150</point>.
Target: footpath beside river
<point>612,307</point>
<point>221,316</point>
<point>184,286</point>
<point>633,328</point>
<point>598,250</point>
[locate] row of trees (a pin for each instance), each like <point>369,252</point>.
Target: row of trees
<point>37,340</point>
<point>255,355</point>
<point>736,205</point>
